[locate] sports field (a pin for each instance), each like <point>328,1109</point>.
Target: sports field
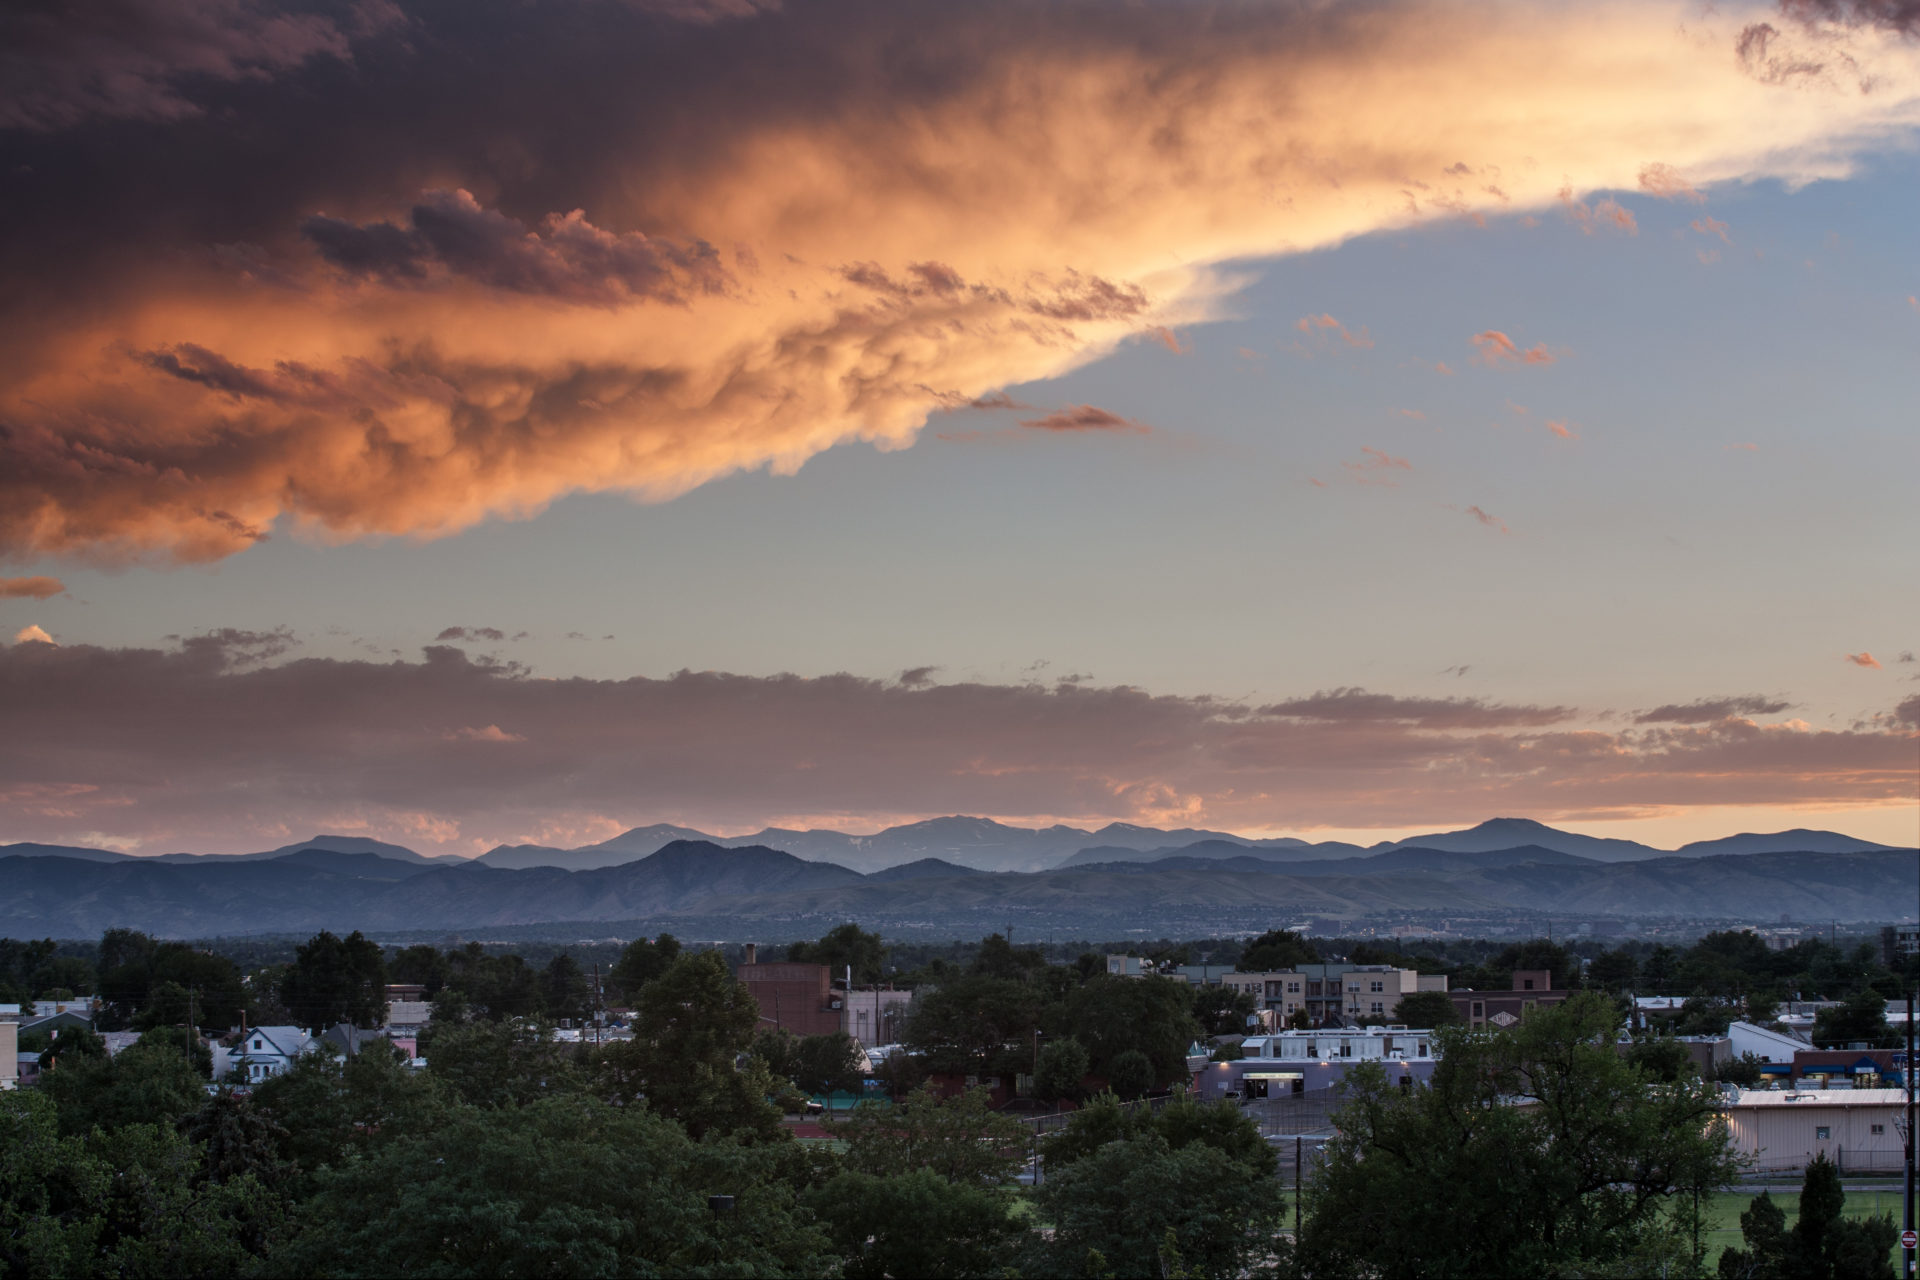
<point>1723,1215</point>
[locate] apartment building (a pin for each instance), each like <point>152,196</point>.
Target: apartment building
<point>1333,994</point>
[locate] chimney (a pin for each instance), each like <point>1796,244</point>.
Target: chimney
<point>753,953</point>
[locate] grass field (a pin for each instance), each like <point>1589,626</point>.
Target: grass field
<point>1723,1215</point>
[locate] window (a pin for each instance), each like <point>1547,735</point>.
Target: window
<point>1879,1129</point>
<point>1822,1133</point>
<point>1379,986</point>
<point>1423,1048</point>
<point>1346,1049</point>
<point>256,1044</point>
<point>1529,982</point>
<point>1293,988</point>
<point>1378,1007</point>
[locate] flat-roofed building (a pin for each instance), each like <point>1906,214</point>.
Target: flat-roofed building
<point>1857,1129</point>
<point>1290,1062</point>
<point>1333,994</point>
<point>1531,989</point>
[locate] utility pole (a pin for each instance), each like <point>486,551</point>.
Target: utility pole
<point>1297,1144</point>
<point>1907,1251</point>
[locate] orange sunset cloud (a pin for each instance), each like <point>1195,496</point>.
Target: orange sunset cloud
<point>390,332</point>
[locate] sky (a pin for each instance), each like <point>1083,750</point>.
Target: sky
<point>494,422</point>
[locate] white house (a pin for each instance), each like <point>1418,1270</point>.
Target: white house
<point>267,1051</point>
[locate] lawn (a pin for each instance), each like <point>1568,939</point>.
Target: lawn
<point>1722,1215</point>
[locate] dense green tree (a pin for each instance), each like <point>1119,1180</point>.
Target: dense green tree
<point>1276,950</point>
<point>1763,1228</point>
<point>1661,1058</point>
<point>692,1026</point>
<point>239,1138</point>
<point>69,1043</point>
<point>1860,1019</point>
<point>494,987</point>
<point>327,1107</point>
<point>999,958</point>
<point>961,1139</point>
<point>565,1186</point>
<point>1824,1244</point>
<point>1220,1125</point>
<point>1613,971</point>
<point>502,1064</point>
<point>642,962</point>
<point>1604,1157</point>
<point>1743,1071</point>
<point>1130,1073</point>
<point>130,1202</point>
<point>974,1026</point>
<point>1152,1016</point>
<point>846,945</point>
<point>1063,1070</point>
<point>1659,972</point>
<point>334,980</point>
<point>1128,1199</point>
<point>1223,1011</point>
<point>831,1063</point>
<point>422,965</point>
<point>51,1192</point>
<point>1425,1010</point>
<point>565,990</point>
<point>149,1082</point>
<point>915,1224</point>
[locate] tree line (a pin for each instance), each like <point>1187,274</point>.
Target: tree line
<point>1536,1151</point>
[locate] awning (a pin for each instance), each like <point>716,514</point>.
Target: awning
<point>1776,1068</point>
<point>1274,1075</point>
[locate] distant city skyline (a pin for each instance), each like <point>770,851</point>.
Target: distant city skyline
<point>1343,422</point>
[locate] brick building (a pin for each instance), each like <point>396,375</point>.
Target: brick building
<point>793,997</point>
<point>1531,987</point>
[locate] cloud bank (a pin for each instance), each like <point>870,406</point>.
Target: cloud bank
<point>410,267</point>
<point>223,742</point>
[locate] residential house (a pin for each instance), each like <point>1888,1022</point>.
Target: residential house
<point>1531,988</point>
<point>349,1040</point>
<point>50,1023</point>
<point>264,1052</point>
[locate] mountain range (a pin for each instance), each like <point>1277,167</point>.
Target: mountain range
<point>987,845</point>
<point>1213,884</point>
